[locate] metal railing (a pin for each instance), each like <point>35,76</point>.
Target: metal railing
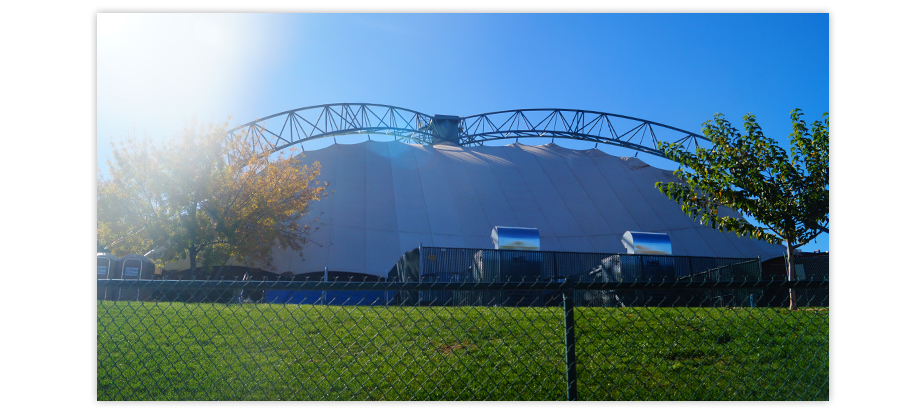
<point>314,340</point>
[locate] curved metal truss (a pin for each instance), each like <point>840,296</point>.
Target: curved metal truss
<point>332,120</point>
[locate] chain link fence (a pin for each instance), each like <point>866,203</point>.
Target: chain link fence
<point>557,339</point>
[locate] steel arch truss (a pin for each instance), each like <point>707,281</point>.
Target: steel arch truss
<point>598,127</point>
<point>329,121</point>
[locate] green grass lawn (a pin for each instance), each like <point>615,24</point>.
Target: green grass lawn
<point>178,351</point>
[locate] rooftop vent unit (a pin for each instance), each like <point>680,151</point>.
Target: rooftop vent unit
<point>651,243</point>
<point>505,237</point>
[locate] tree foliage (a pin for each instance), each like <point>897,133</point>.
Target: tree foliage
<point>204,197</point>
<point>787,194</point>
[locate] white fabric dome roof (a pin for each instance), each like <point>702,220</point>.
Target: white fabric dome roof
<point>389,197</point>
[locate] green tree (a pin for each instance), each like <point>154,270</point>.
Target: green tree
<point>204,197</point>
<point>750,174</point>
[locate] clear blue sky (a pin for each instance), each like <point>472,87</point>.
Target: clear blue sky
<point>156,71</point>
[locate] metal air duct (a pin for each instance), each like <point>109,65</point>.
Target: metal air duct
<point>652,243</point>
<point>505,237</point>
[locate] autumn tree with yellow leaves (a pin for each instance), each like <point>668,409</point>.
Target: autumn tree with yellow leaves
<point>205,197</point>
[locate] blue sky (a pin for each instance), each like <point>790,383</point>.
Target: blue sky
<point>156,71</point>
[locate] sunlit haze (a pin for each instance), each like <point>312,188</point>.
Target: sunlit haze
<point>154,71</point>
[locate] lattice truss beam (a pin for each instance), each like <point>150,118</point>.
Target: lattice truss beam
<point>300,125</point>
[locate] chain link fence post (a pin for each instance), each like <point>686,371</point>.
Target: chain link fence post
<point>571,373</point>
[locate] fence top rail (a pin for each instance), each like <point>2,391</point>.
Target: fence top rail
<point>451,286</point>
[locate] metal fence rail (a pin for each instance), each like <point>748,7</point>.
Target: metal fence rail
<point>314,340</point>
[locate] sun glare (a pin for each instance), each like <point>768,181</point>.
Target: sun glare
<point>157,70</point>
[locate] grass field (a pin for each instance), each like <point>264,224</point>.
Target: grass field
<point>178,351</point>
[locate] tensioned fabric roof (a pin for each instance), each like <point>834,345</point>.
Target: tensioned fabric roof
<point>389,197</point>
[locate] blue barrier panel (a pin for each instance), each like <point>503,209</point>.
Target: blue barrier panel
<point>350,298</point>
<point>357,298</point>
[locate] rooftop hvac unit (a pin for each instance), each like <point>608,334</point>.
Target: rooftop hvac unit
<point>506,237</point>
<point>506,266</point>
<point>635,268</point>
<point>652,243</point>
<point>509,266</point>
<point>510,262</point>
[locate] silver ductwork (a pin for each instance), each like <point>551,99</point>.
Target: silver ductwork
<point>506,237</point>
<point>651,243</point>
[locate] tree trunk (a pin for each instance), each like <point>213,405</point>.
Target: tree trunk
<point>192,254</point>
<point>792,293</point>
<point>192,237</point>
